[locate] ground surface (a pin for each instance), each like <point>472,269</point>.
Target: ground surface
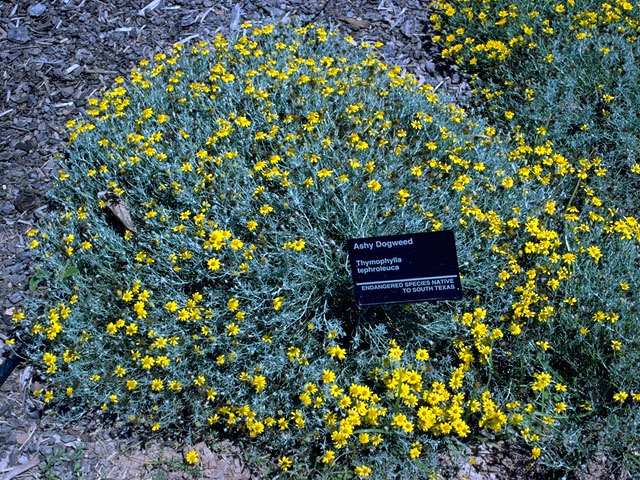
<point>55,53</point>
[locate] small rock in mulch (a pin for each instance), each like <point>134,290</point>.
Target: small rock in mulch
<point>25,201</point>
<point>187,21</point>
<point>18,35</point>
<point>15,298</point>
<point>36,10</point>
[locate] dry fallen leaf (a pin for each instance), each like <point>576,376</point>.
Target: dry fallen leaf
<point>355,21</point>
<point>118,208</point>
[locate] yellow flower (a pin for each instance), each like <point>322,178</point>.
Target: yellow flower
<point>324,173</point>
<point>49,359</point>
<point>337,352</point>
<point>171,306</point>
<point>550,207</point>
<point>344,402</point>
<point>542,380</point>
<point>595,253</point>
<point>232,329</point>
<point>395,353</point>
<point>147,362</point>
<point>362,471</point>
<point>157,385</point>
<point>416,450</point>
<point>131,329</point>
<point>191,457</point>
<point>236,244</point>
<point>422,355</point>
<point>620,396</point>
<point>329,457</point>
<point>543,345</point>
<point>259,382</point>
<point>400,420</point>
<point>233,304</point>
<point>328,376</point>
<point>277,303</point>
<point>266,209</point>
<point>285,463</point>
<point>374,185</point>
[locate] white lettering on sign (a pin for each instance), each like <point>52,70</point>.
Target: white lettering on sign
<point>394,243</point>
<point>378,265</point>
<point>444,282</point>
<point>382,244</point>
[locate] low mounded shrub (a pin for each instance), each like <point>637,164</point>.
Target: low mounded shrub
<point>225,299</point>
<point>559,79</point>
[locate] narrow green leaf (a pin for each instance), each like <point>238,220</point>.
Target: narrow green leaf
<point>36,279</point>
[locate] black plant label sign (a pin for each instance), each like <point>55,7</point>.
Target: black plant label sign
<point>408,268</point>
